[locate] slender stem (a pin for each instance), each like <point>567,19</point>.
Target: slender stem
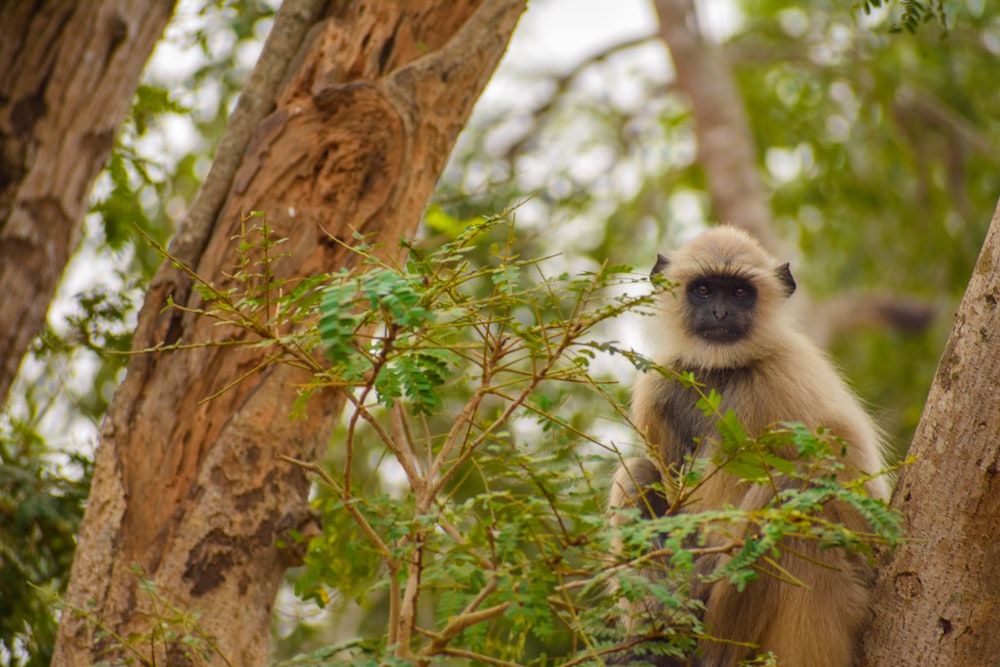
<point>359,518</point>
<point>648,556</point>
<point>406,619</point>
<point>477,657</point>
<point>403,435</point>
<point>394,609</point>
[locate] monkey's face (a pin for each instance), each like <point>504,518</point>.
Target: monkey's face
<point>721,308</point>
<point>728,303</point>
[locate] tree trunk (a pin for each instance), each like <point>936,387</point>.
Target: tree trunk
<point>936,601</point>
<point>68,71</point>
<point>190,489</point>
<point>726,148</point>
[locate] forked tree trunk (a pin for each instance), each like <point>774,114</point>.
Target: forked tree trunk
<point>936,602</point>
<point>68,71</point>
<point>190,490</point>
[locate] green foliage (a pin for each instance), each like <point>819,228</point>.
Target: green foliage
<point>914,12</point>
<point>151,188</point>
<point>461,379</point>
<point>40,509</point>
<point>894,134</point>
<point>886,196</point>
<point>44,481</point>
<point>890,139</point>
<point>173,630</point>
<point>483,500</point>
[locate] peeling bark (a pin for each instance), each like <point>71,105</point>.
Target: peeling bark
<point>936,600</point>
<point>68,71</point>
<point>189,489</point>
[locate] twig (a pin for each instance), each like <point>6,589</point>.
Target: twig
<point>478,657</point>
<point>380,546</point>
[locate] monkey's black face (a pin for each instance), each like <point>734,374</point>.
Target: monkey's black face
<point>721,308</point>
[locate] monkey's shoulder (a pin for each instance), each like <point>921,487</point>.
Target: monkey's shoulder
<point>799,386</point>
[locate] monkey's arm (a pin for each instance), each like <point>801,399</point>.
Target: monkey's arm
<point>814,623</point>
<point>638,483</point>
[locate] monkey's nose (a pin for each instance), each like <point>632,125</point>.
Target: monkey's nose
<point>720,314</point>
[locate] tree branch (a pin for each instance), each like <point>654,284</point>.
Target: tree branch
<point>292,23</point>
<point>934,602</point>
<point>561,83</point>
<point>848,312</point>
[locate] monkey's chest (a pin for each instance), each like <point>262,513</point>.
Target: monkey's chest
<point>690,424</point>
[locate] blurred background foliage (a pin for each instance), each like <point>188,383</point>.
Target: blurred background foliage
<point>877,133</point>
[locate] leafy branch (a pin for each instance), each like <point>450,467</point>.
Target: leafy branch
<point>461,368</point>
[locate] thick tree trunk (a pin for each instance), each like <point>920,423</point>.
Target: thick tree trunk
<point>189,489</point>
<point>936,601</point>
<point>68,71</point>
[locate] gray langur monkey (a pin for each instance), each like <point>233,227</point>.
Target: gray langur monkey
<point>729,323</point>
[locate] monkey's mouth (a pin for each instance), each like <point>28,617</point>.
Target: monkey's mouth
<point>720,334</point>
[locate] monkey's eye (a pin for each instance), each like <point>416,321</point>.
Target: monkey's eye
<point>741,292</point>
<point>702,290</point>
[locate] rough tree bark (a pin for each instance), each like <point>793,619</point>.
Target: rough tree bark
<point>936,600</point>
<point>68,71</point>
<point>189,489</point>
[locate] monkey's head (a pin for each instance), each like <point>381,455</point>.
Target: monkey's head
<point>729,308</point>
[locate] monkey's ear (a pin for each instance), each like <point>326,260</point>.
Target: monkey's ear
<point>662,262</point>
<point>784,276</point>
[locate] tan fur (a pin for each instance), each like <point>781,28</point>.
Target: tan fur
<point>775,374</point>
